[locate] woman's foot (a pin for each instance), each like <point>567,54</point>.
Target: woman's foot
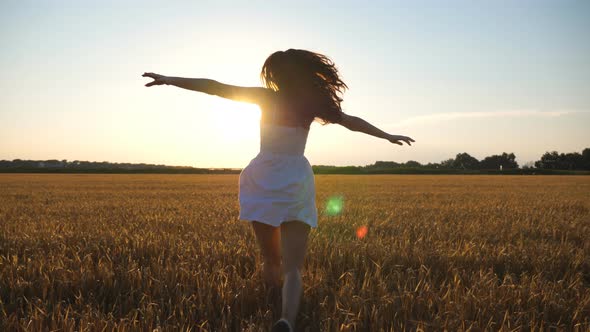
<point>282,325</point>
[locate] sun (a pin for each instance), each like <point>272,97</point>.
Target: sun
<point>236,120</point>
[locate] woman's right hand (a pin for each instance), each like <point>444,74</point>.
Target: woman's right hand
<point>157,79</point>
<point>398,139</point>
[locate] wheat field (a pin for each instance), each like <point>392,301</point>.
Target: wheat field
<point>143,252</point>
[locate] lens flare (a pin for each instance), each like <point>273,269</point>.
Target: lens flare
<point>334,205</point>
<point>361,232</point>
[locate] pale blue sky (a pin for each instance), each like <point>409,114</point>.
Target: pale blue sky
<point>482,77</point>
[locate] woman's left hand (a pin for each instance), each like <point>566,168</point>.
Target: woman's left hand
<point>158,79</point>
<point>395,139</point>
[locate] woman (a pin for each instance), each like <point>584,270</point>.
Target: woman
<point>277,191</point>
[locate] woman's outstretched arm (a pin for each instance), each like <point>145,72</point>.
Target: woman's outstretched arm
<point>357,124</point>
<point>255,95</point>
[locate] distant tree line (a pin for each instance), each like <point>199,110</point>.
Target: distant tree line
<point>549,163</point>
<point>464,163</point>
<point>505,161</point>
<point>77,166</point>
<point>569,161</point>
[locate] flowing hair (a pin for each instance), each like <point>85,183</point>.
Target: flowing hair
<point>308,78</point>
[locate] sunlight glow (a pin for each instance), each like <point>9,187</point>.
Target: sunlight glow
<point>236,121</point>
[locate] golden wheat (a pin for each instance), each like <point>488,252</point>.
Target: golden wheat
<point>139,252</point>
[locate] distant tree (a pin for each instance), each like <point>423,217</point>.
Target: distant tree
<point>385,164</point>
<point>465,161</point>
<point>505,160</point>
<point>447,163</point>
<point>549,160</point>
<point>586,159</point>
<point>571,161</point>
<point>412,163</point>
<point>564,161</point>
<point>509,161</point>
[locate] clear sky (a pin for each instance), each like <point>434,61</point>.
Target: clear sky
<point>482,77</point>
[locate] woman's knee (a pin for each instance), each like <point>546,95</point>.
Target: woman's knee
<point>294,242</point>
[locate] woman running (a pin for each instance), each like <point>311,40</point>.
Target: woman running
<point>277,189</point>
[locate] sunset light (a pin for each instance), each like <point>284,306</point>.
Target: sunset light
<point>76,72</point>
<point>283,166</point>
<point>235,121</point>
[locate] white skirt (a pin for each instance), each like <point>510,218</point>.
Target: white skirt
<point>275,188</point>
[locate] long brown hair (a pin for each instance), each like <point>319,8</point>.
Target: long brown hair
<point>308,77</point>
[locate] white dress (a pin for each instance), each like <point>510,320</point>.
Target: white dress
<point>278,184</point>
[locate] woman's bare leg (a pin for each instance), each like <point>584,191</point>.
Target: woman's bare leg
<point>294,242</point>
<point>269,241</point>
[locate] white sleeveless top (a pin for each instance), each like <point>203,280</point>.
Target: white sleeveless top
<point>278,184</point>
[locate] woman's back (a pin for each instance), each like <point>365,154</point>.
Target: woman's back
<point>290,111</point>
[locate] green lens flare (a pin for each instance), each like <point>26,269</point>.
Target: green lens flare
<point>334,205</point>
